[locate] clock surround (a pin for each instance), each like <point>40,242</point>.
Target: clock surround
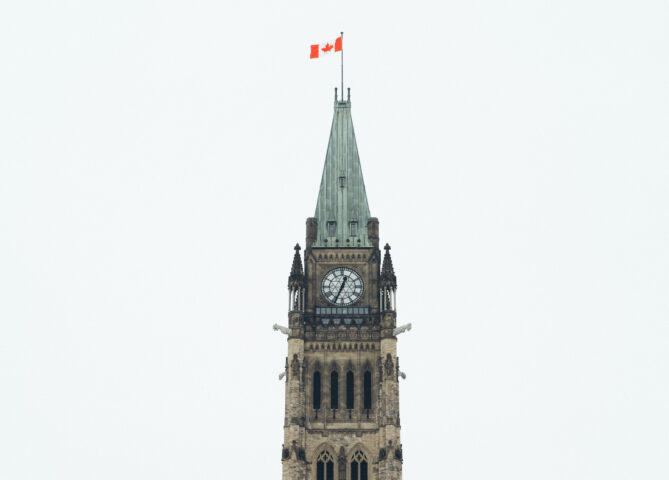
<point>342,286</point>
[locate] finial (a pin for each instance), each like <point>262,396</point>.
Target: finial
<point>348,99</point>
<point>297,247</point>
<point>335,94</point>
<point>387,247</point>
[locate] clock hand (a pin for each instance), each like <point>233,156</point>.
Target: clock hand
<point>340,289</point>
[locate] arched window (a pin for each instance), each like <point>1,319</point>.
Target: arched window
<point>334,390</point>
<point>359,466</point>
<point>350,392</point>
<point>325,467</point>
<point>317,390</point>
<point>367,390</point>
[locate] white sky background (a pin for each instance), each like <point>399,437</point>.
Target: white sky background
<point>158,161</point>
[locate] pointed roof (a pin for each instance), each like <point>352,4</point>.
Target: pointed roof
<point>342,200</point>
<point>388,277</point>
<point>296,269</point>
<point>296,272</point>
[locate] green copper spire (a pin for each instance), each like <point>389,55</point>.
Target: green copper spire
<point>342,211</point>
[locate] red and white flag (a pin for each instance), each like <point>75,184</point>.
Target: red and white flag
<point>318,51</point>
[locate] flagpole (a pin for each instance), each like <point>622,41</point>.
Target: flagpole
<point>342,66</point>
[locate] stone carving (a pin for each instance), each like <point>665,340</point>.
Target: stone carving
<point>390,366</point>
<point>382,454</point>
<point>367,366</point>
<point>402,329</point>
<point>398,453</point>
<point>295,366</point>
<point>282,329</point>
<point>379,364</point>
<point>285,370</point>
<point>299,452</point>
<point>285,454</point>
<point>297,421</point>
<point>342,463</point>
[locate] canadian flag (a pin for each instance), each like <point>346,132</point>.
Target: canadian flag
<point>318,50</point>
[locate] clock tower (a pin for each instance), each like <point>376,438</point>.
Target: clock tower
<point>342,418</point>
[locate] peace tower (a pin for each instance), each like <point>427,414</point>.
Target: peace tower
<point>342,418</point>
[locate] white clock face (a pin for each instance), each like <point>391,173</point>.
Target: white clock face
<point>342,286</point>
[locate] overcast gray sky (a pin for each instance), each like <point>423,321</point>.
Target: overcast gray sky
<point>158,161</point>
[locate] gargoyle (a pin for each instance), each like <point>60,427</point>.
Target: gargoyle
<point>402,329</point>
<point>282,329</point>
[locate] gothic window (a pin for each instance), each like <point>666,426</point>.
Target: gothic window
<point>359,466</point>
<point>334,390</point>
<point>367,390</point>
<point>354,228</point>
<point>350,392</point>
<point>317,390</point>
<point>325,467</point>
<point>331,228</point>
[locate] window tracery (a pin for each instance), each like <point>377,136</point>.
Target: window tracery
<point>325,466</point>
<point>359,466</point>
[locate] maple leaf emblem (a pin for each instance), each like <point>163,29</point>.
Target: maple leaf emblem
<point>327,47</point>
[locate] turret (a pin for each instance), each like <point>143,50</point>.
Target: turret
<point>296,283</point>
<point>341,372</point>
<point>388,282</point>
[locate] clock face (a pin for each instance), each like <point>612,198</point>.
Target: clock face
<point>342,286</point>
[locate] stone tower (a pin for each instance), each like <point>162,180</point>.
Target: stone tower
<point>342,418</point>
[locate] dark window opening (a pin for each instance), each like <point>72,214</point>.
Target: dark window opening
<point>349,390</point>
<point>325,467</point>
<point>317,390</point>
<point>359,466</point>
<point>332,229</point>
<point>334,390</point>
<point>367,391</point>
